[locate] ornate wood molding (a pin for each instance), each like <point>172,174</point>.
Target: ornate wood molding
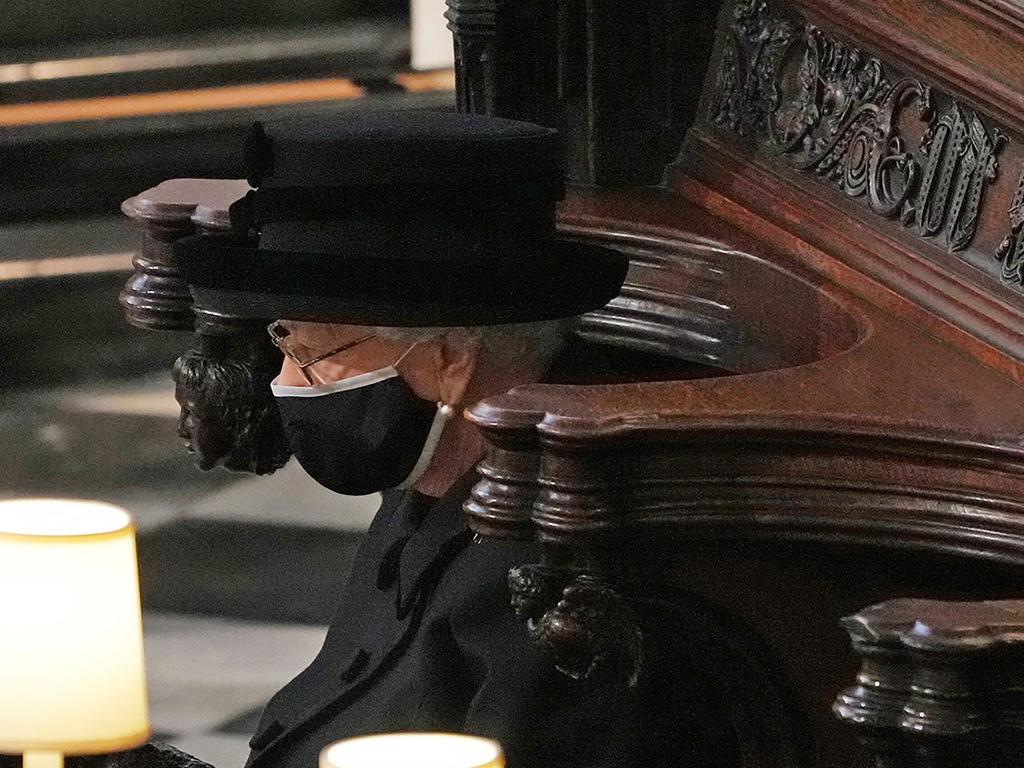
<point>684,453</point>
<point>970,48</point>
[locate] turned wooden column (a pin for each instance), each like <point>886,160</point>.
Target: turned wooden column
<point>941,683</point>
<point>155,297</point>
<point>620,80</point>
<point>506,58</point>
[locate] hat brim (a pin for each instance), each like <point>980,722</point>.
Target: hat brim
<point>227,278</point>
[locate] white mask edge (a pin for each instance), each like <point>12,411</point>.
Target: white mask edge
<point>444,412</point>
<point>342,385</point>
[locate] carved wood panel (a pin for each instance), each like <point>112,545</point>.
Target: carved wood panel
<point>825,108</point>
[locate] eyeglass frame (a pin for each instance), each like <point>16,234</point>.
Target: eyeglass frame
<point>277,338</point>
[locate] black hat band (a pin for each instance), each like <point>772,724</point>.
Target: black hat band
<point>243,268</point>
<point>422,240</point>
<point>271,203</point>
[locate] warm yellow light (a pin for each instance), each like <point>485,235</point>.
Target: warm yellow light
<point>413,750</point>
<point>71,667</point>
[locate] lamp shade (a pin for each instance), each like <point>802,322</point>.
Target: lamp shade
<point>71,666</point>
<point>413,750</point>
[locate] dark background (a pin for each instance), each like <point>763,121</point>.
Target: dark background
<point>63,23</point>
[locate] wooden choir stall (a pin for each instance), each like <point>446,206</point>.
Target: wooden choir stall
<point>806,425</point>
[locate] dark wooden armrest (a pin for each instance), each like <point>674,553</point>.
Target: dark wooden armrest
<point>940,682</point>
<point>155,297</point>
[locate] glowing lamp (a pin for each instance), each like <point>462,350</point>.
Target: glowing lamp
<point>413,750</point>
<point>71,665</point>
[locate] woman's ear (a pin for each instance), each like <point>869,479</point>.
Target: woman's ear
<point>459,355</point>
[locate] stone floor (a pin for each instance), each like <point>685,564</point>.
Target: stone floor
<point>238,573</point>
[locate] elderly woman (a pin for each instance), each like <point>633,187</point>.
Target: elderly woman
<point>413,264</point>
<point>389,395</point>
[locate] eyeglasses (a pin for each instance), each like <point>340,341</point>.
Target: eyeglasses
<point>283,340</point>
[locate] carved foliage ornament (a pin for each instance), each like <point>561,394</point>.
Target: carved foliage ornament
<point>1011,251</point>
<point>829,109</point>
<point>578,621</point>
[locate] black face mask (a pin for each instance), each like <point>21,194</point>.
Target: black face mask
<point>363,434</point>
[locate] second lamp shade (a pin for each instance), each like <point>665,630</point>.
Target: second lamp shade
<point>413,750</point>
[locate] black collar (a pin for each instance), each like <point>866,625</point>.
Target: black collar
<point>423,534</point>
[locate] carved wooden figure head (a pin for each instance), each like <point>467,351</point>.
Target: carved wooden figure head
<point>228,415</point>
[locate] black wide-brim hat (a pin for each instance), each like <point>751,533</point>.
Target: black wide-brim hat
<point>400,219</point>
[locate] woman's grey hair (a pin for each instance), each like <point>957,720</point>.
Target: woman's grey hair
<point>539,341</point>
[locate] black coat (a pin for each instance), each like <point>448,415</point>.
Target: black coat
<point>424,638</point>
